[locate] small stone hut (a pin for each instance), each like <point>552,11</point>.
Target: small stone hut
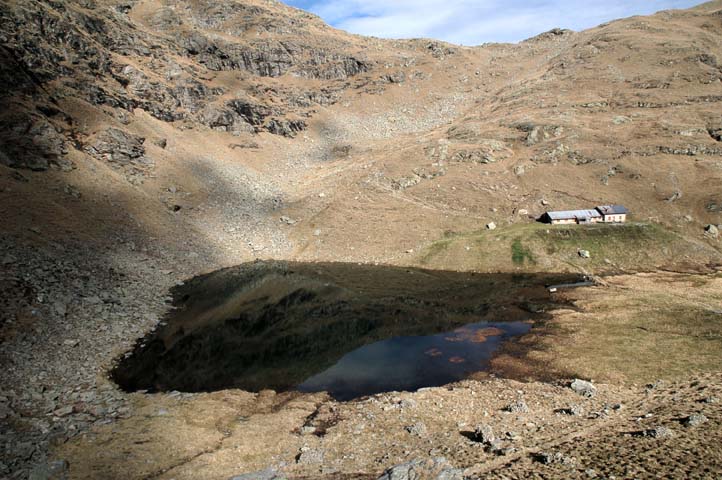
<point>601,214</point>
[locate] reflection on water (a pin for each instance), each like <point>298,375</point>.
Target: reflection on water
<point>350,329</point>
<point>410,363</point>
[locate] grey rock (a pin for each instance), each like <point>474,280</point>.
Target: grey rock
<point>484,434</point>
<point>268,474</point>
<point>216,117</point>
<point>714,206</point>
<point>29,141</point>
<point>519,406</point>
<point>440,50</point>
<point>450,474</point>
<point>658,432</point>
<point>253,113</point>
<point>584,388</point>
<point>55,470</point>
<point>310,456</point>
<point>711,231</point>
<point>674,197</point>
<point>491,226</point>
<point>406,182</point>
<point>252,145</point>
<point>694,420</point>
<point>117,146</point>
<point>574,410</point>
<point>715,132</point>
<point>72,191</point>
<point>404,471</point>
<point>551,458</point>
<point>418,429</point>
<point>192,94</point>
<point>396,77</point>
<point>584,253</point>
<point>488,151</point>
<point>539,133</point>
<point>285,127</point>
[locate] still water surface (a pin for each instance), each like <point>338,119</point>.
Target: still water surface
<point>348,329</point>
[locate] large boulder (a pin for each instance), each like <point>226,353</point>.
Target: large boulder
<point>584,388</point>
<point>117,146</point>
<point>539,133</point>
<point>216,117</point>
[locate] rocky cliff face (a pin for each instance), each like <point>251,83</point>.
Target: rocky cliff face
<point>101,54</point>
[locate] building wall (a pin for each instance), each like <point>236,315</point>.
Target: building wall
<point>618,218</point>
<point>566,221</point>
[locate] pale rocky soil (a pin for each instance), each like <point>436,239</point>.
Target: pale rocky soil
<point>337,148</point>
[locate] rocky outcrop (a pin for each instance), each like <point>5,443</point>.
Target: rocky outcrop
<point>216,117</point>
<point>285,127</point>
<point>487,151</point>
<point>268,58</point>
<point>30,141</point>
<point>117,146</point>
<point>253,113</point>
<point>331,66</point>
<point>539,133</point>
<point>553,34</point>
<point>715,132</point>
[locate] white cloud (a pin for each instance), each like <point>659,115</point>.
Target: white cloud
<point>471,22</point>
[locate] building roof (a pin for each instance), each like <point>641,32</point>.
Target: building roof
<point>574,214</point>
<point>612,209</point>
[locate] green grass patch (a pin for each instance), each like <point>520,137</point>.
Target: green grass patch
<point>519,254</point>
<point>529,246</point>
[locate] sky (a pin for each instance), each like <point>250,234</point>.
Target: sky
<point>473,22</point>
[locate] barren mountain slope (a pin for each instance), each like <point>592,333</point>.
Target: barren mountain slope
<point>218,119</point>
<point>627,112</point>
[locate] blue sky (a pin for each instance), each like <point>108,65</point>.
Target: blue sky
<point>472,22</point>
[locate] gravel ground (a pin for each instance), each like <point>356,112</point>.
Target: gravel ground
<point>65,316</point>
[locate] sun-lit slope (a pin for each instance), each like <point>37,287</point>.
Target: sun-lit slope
<point>626,113</point>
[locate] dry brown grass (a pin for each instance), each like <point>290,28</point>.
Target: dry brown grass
<point>638,329</point>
